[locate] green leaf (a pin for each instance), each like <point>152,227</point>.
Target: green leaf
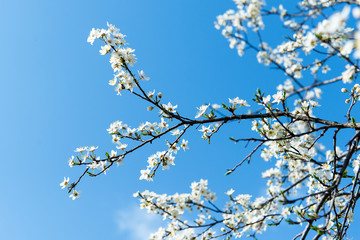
<point>353,121</point>
<point>224,106</point>
<point>314,228</point>
<point>291,222</point>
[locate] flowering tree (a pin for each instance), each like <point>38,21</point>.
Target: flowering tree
<point>312,184</point>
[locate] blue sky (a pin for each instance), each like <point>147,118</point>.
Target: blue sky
<point>54,97</point>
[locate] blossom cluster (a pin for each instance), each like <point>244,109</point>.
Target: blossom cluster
<point>172,207</point>
<point>120,57</point>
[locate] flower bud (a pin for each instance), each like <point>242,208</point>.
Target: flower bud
<point>150,108</point>
<point>356,12</point>
<point>344,90</point>
<point>347,100</point>
<point>160,95</point>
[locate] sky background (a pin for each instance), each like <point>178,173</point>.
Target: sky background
<point>54,97</point>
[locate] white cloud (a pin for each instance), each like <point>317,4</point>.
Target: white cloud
<point>136,223</point>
